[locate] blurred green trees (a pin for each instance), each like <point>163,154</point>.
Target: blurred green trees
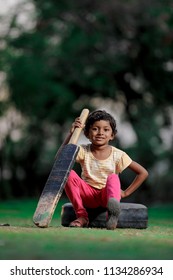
<point>73,52</point>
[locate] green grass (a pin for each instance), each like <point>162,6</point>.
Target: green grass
<point>23,240</point>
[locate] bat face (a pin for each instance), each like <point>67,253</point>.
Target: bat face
<point>55,184</point>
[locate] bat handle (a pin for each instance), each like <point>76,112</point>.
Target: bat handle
<point>75,136</point>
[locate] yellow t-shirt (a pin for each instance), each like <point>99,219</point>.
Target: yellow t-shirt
<point>94,171</point>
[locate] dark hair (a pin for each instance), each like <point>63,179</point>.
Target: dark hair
<point>99,115</point>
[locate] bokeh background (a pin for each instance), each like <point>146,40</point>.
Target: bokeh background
<point>57,57</point>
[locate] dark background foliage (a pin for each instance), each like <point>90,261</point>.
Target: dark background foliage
<point>77,52</point>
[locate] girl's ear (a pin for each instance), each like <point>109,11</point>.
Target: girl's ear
<point>112,136</point>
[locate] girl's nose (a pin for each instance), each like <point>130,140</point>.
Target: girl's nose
<point>100,131</point>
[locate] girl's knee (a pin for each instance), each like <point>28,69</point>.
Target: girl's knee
<point>73,177</point>
<point>113,175</point>
<point>113,178</point>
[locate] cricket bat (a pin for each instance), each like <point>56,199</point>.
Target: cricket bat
<point>64,162</point>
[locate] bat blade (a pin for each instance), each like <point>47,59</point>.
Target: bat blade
<point>55,185</point>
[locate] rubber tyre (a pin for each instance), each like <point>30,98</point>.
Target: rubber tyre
<point>132,215</point>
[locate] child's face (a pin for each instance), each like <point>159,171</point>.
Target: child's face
<point>100,133</point>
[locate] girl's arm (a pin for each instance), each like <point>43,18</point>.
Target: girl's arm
<point>141,175</point>
<point>75,124</point>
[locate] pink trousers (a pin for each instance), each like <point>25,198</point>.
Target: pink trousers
<point>84,196</point>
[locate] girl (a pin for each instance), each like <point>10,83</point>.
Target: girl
<point>99,184</point>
